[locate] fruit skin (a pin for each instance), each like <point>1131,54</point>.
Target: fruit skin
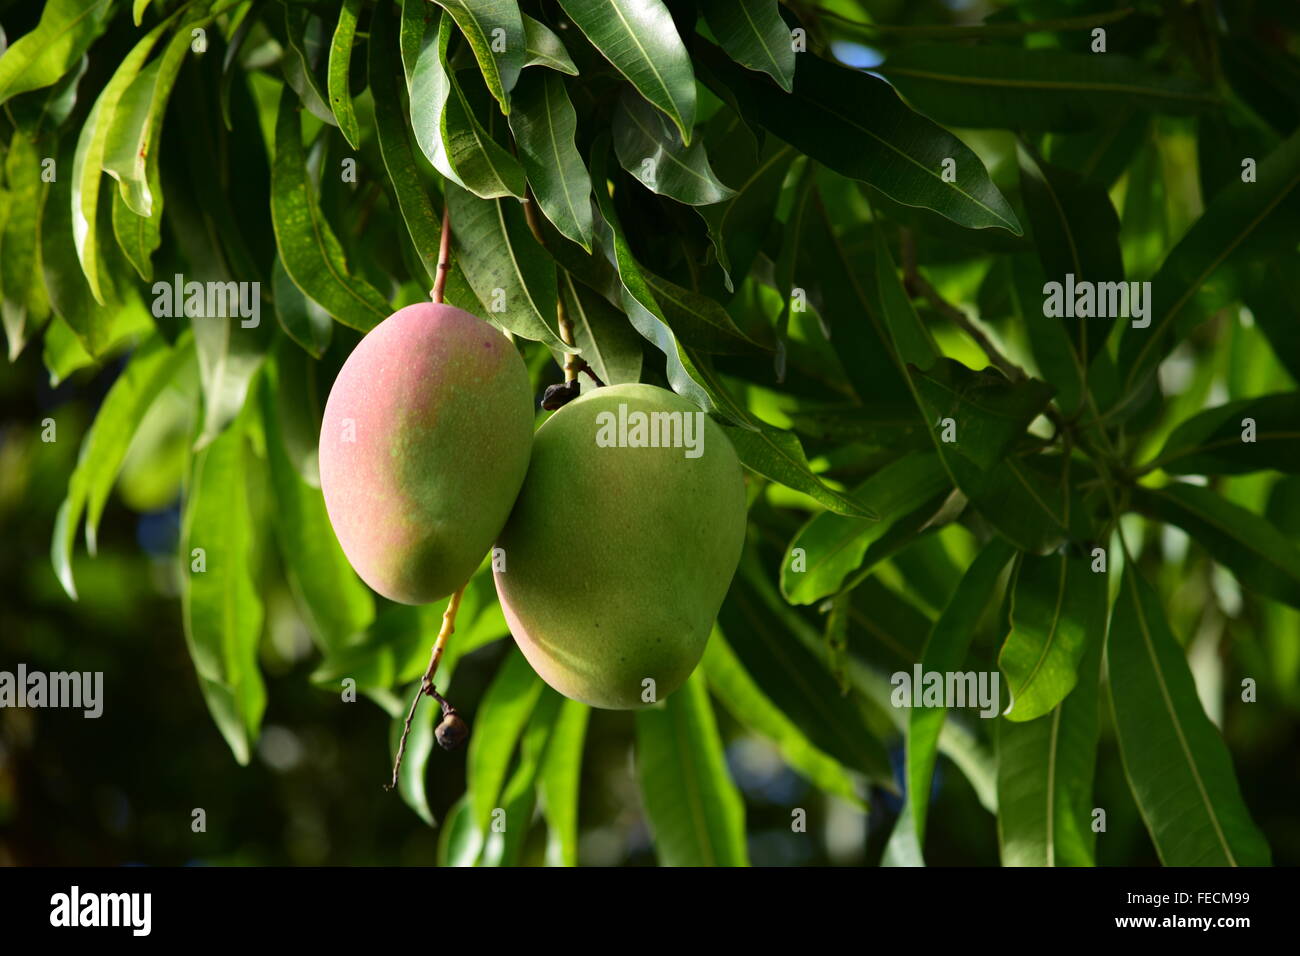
<point>443,422</point>
<point>617,559</point>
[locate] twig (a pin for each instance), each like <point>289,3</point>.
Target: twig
<point>426,682</point>
<point>444,253</point>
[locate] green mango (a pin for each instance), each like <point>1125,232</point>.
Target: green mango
<point>618,554</point>
<point>423,447</point>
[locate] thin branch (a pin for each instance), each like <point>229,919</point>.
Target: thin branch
<point>426,682</point>
<point>444,253</point>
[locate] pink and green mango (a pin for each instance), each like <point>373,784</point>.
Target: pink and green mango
<point>423,449</point>
<point>618,555</point>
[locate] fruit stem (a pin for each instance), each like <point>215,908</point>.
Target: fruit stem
<point>444,254</point>
<point>426,682</point>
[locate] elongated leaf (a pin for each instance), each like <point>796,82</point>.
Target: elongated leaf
<point>1012,88</point>
<point>334,601</point>
<point>340,69</point>
<point>498,724</point>
<point>558,782</point>
<point>738,225</point>
<point>641,40</point>
<point>509,272</point>
<point>652,151</point>
<point>495,32</point>
<point>229,356</point>
<point>302,319</point>
<point>24,301</point>
<point>1045,772</point>
<point>1263,558</point>
<point>1243,220</point>
<point>832,547</point>
<point>220,603</point>
<point>754,35</point>
<point>40,58</point>
<point>746,701</point>
<point>461,842</point>
<point>694,809</point>
<point>1177,765</point>
<point>944,653</point>
<point>698,320</point>
<point>311,254</point>
<point>305,45</point>
<point>104,448</point>
<point>544,124</point>
<point>779,456</point>
<point>1058,611</point>
<point>543,48</point>
<point>856,124</point>
<point>608,342</point>
<point>1213,442</point>
<point>519,798</point>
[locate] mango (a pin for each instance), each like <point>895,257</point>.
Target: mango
<point>618,553</point>
<point>423,448</point>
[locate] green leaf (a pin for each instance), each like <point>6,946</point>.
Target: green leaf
<point>1212,442</point>
<point>41,58</point>
<point>24,301</point>
<point>1012,88</point>
<point>487,24</point>
<point>778,455</point>
<point>1243,220</point>
<point>503,845</point>
<point>856,124</point>
<point>698,321</point>
<point>311,254</point>
<point>340,68</point>
<point>38,111</point>
<point>558,782</point>
<point>1045,777</point>
<point>461,842</point>
<point>652,151</point>
<point>509,271</point>
<point>738,225</point>
<point>499,722</point>
<point>1264,559</point>
<point>742,696</point>
<point>544,48</point>
<point>544,125</point>
<point>834,547</point>
<point>694,809</point>
<point>415,760</point>
<point>220,604</point>
<point>302,319</point>
<point>1058,611</point>
<point>1177,765</point>
<point>608,343</point>
<point>754,35</point>
<point>945,651</point>
<point>104,448</point>
<point>334,602</point>
<point>641,40</point>
<point>304,36</point>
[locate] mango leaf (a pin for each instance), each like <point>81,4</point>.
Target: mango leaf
<point>1243,220</point>
<point>641,40</point>
<point>1012,88</point>
<point>1264,559</point>
<point>508,270</point>
<point>747,702</point>
<point>856,124</point>
<point>24,301</point>
<point>104,448</point>
<point>487,25</point>
<point>1213,442</point>
<point>311,254</point>
<point>1272,289</point>
<point>499,722</point>
<point>1045,774</point>
<point>699,321</point>
<point>340,68</point>
<point>1058,612</point>
<point>694,809</point>
<point>738,225</point>
<point>503,845</point>
<point>460,842</point>
<point>608,343</point>
<point>220,603</point>
<point>754,35</point>
<point>334,602</point>
<point>41,58</point>
<point>1177,765</point>
<point>558,782</point>
<point>48,108</point>
<point>304,35</point>
<point>945,651</point>
<point>302,319</point>
<point>830,547</point>
<point>544,124</point>
<point>652,151</point>
<point>543,48</point>
<point>778,456</point>
<point>784,655</point>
